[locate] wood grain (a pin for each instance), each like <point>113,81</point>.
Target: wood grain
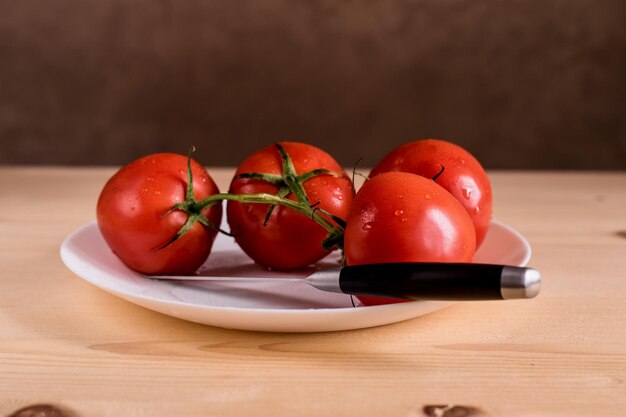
<point>69,345</point>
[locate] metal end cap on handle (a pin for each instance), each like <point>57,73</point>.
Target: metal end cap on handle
<point>517,282</point>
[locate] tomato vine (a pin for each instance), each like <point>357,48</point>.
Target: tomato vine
<point>288,183</point>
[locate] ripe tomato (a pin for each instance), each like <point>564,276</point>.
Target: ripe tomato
<point>463,176</point>
<point>402,217</point>
<point>288,239</point>
<point>133,216</point>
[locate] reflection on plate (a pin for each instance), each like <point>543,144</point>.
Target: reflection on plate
<point>276,306</point>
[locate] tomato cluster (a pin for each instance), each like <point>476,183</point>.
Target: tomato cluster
<point>289,204</point>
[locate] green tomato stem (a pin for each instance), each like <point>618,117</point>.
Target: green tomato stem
<point>288,182</point>
<point>264,198</point>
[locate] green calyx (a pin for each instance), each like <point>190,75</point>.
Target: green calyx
<point>192,208</point>
<point>288,182</point>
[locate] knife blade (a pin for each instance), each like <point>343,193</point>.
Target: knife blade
<point>413,281</point>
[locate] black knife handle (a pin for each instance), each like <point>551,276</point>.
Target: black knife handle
<point>429,281</point>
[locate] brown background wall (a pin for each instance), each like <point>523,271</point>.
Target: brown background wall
<point>521,83</point>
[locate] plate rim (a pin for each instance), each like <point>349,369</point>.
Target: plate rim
<point>67,257</point>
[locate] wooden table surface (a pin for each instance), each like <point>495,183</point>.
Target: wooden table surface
<point>74,347</point>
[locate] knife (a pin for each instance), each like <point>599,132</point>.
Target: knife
<point>413,281</point>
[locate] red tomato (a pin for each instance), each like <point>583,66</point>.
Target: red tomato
<point>132,215</point>
<point>463,175</point>
<point>402,217</point>
<point>289,239</point>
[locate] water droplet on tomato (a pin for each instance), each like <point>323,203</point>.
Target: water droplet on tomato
<point>150,179</point>
<point>476,210</point>
<point>466,193</point>
<point>427,196</point>
<point>204,179</point>
<point>366,227</point>
<point>145,190</point>
<point>339,197</point>
<point>157,192</point>
<point>404,219</point>
<point>398,212</point>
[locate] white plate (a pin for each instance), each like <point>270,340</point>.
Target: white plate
<point>276,306</point>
